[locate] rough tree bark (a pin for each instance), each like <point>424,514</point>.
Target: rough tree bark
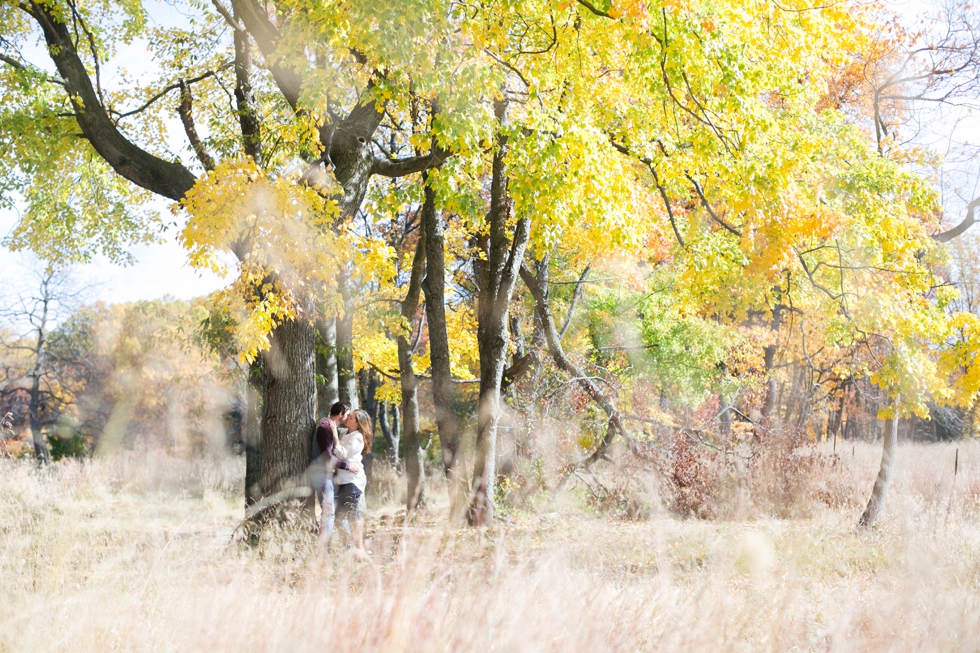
<point>327,389</point>
<point>346,376</point>
<point>877,500</point>
<point>254,386</point>
<point>414,464</point>
<point>34,394</point>
<point>770,363</point>
<point>443,392</point>
<point>289,406</point>
<point>496,276</point>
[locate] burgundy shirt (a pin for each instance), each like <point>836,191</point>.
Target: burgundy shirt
<point>324,440</point>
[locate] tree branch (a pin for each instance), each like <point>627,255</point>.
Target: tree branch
<point>959,229</point>
<point>172,87</point>
<point>187,118</point>
<point>592,8</point>
<point>707,207</point>
<point>165,178</point>
<point>562,361</point>
<point>576,294</point>
<point>20,66</point>
<point>234,23</point>
<point>267,36</point>
<point>406,166</point>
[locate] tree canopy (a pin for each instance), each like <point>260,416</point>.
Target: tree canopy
<point>731,186</point>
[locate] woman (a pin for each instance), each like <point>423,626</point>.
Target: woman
<point>350,484</point>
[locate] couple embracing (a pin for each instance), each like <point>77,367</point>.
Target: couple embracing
<point>337,471</point>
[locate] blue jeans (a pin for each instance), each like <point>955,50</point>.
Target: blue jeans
<point>327,511</point>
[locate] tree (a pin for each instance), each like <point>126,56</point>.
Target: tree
<point>590,136</point>
<point>36,363</point>
<point>80,37</point>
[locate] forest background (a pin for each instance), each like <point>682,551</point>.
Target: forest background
<point>618,259</point>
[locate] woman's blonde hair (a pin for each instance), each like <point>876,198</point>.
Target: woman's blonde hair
<point>364,426</point>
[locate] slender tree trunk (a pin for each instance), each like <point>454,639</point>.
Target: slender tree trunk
<point>496,277</point>
<point>414,456</point>
<point>877,501</point>
<point>833,428</point>
<point>37,437</point>
<point>725,417</point>
<point>443,392</point>
<point>396,427</point>
<point>770,363</point>
<point>34,407</point>
<point>327,392</point>
<point>346,376</point>
<point>391,436</point>
<point>289,406</point>
<point>414,462</point>
<point>253,432</point>
<point>369,386</point>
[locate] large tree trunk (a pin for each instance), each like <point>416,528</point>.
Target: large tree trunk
<point>443,393</point>
<point>889,447</point>
<point>289,407</point>
<point>496,276</point>
<point>245,97</point>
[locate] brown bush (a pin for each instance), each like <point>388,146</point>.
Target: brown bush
<point>749,473</point>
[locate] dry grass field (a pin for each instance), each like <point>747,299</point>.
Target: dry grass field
<point>135,553</point>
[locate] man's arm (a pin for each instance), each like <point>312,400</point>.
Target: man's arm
<point>331,439</point>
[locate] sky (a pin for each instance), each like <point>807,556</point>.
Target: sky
<point>161,270</point>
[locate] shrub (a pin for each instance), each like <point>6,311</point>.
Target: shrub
<point>68,446</point>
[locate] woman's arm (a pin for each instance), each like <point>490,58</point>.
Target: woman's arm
<point>350,446</point>
<point>339,450</point>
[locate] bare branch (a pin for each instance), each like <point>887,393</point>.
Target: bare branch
<point>231,20</point>
<point>406,166</point>
<point>959,229</point>
<point>172,87</point>
<point>187,118</point>
<point>707,207</point>
<point>20,66</point>
<point>576,294</point>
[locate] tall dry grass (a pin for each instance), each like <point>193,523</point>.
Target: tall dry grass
<point>135,553</point>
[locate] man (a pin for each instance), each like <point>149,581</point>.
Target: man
<point>325,464</point>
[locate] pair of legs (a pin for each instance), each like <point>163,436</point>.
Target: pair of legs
<point>328,511</point>
<point>348,501</point>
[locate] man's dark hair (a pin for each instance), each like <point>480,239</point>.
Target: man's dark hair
<point>339,408</point>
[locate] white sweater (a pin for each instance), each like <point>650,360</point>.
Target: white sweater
<point>350,448</point>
